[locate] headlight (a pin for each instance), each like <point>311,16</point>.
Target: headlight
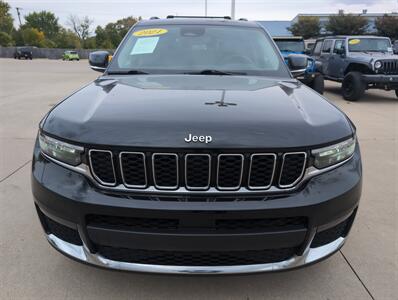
<point>61,151</point>
<point>332,155</point>
<point>378,64</point>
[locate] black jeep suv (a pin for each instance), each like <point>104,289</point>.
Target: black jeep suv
<point>359,62</point>
<point>196,152</point>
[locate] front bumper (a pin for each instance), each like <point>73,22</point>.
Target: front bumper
<point>326,201</point>
<point>387,81</point>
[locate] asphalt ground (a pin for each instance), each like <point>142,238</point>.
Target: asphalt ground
<point>365,268</point>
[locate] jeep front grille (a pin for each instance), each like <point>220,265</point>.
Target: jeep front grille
<point>197,171</point>
<point>390,67</point>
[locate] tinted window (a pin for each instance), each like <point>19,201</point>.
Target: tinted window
<point>290,45</point>
<point>317,48</point>
<point>339,44</point>
<point>190,48</point>
<point>327,45</point>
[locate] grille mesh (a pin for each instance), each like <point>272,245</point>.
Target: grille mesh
<point>229,171</point>
<point>292,169</point>
<point>196,258</point>
<point>197,172</point>
<point>261,170</point>
<point>63,232</point>
<point>102,166</point>
<point>133,169</point>
<point>165,169</point>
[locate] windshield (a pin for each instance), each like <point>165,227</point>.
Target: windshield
<point>72,52</point>
<point>195,48</point>
<point>369,45</point>
<point>290,46</point>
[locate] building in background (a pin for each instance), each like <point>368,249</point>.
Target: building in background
<point>279,28</point>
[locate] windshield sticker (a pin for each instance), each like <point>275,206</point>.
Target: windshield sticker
<point>150,32</point>
<point>145,45</point>
<point>354,42</point>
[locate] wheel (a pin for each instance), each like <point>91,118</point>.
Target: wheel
<point>353,87</point>
<point>78,59</point>
<point>318,84</point>
<point>396,93</point>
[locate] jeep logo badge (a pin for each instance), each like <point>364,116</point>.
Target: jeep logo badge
<point>198,139</point>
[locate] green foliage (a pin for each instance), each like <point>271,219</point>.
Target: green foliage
<point>347,24</point>
<point>89,43</point>
<point>67,39</point>
<point>387,26</point>
<point>5,39</point>
<point>307,27</point>
<point>6,20</point>
<point>112,34</point>
<point>43,21</point>
<point>33,37</point>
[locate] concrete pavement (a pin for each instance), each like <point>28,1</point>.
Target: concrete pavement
<point>366,267</point>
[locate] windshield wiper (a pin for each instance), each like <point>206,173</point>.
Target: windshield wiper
<point>128,72</point>
<point>214,72</point>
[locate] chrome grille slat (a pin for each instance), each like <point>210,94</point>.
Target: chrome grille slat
<point>253,176</point>
<point>133,176</point>
<point>298,172</point>
<point>232,167</point>
<point>100,171</point>
<point>163,176</point>
<point>197,171</point>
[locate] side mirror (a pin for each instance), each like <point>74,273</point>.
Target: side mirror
<point>297,64</point>
<point>98,60</point>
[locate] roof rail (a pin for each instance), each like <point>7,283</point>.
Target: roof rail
<point>242,19</point>
<point>197,17</point>
<point>154,18</point>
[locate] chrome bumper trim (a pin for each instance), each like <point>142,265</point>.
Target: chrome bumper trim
<point>309,256</point>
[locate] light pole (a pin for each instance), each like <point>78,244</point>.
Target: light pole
<point>19,15</point>
<point>205,8</point>
<point>233,9</point>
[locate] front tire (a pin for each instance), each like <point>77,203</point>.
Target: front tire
<point>318,84</point>
<point>396,93</point>
<point>353,87</point>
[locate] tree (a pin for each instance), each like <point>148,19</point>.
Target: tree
<point>33,37</point>
<point>81,26</point>
<point>111,35</point>
<point>67,39</point>
<point>387,26</point>
<point>43,21</point>
<point>6,20</point>
<point>5,39</point>
<point>307,27</point>
<point>347,24</point>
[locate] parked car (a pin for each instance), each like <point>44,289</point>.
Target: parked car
<point>70,55</point>
<point>23,52</point>
<point>359,62</point>
<point>395,47</point>
<point>196,152</point>
<point>295,45</point>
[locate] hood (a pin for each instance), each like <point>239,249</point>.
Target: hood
<point>162,110</point>
<point>362,56</point>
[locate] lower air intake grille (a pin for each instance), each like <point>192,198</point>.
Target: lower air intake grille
<point>129,223</point>
<point>198,258</point>
<point>63,232</point>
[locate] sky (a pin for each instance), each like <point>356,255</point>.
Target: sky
<point>105,11</point>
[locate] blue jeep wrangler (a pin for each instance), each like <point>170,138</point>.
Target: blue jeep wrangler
<point>295,45</point>
<point>359,63</point>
